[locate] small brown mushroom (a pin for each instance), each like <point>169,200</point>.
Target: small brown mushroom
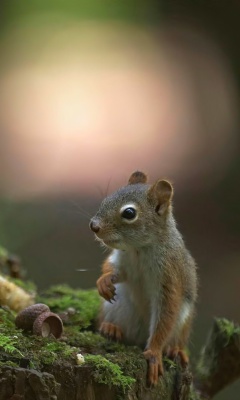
<point>48,324</point>
<point>25,318</point>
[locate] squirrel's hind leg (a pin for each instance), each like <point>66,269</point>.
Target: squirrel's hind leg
<point>175,349</point>
<point>176,353</point>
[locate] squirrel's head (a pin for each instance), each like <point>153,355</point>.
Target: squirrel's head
<point>133,215</point>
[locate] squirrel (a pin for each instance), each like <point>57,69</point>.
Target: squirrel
<point>149,280</point>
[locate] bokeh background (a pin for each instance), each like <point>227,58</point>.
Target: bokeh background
<point>89,92</point>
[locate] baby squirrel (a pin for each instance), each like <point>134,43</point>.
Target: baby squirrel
<point>149,279</point>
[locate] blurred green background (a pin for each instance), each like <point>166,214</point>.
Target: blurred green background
<point>89,92</point>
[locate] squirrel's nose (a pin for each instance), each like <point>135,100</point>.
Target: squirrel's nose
<point>94,225</point>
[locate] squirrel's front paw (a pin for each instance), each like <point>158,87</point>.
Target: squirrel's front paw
<point>105,286</point>
<point>155,366</point>
<point>111,331</point>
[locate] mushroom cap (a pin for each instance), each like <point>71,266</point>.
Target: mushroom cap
<point>26,317</point>
<point>48,324</point>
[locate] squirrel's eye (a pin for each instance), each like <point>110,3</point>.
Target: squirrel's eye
<point>129,213</point>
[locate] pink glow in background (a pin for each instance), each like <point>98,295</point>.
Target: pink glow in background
<point>82,104</point>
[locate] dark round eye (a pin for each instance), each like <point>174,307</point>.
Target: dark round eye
<point>129,213</point>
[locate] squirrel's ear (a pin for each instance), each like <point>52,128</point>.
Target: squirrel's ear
<point>160,193</point>
<point>137,177</point>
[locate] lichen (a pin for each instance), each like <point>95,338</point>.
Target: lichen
<point>109,373</point>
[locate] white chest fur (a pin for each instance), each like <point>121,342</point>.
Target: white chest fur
<point>140,274</point>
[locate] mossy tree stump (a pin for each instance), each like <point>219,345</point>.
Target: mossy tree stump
<point>36,368</point>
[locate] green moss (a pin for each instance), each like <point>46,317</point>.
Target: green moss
<point>86,304</point>
<point>52,350</point>
<point>39,351</point>
<point>86,339</point>
<point>169,363</point>
<point>223,334</point>
<point>108,372</point>
<point>8,344</point>
<point>29,286</point>
<point>9,335</point>
<point>56,346</point>
<point>113,364</point>
<point>7,317</point>
<point>8,364</point>
<point>227,327</point>
<point>44,351</point>
<point>115,347</point>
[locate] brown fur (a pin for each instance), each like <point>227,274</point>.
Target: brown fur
<point>137,177</point>
<point>150,277</point>
<point>105,283</point>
